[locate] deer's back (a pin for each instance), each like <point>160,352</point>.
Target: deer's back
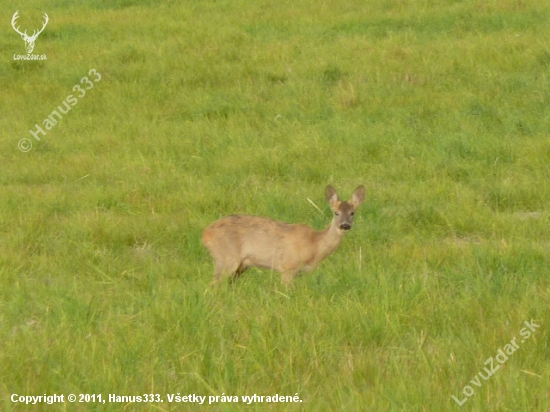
<point>256,236</point>
<point>246,228</point>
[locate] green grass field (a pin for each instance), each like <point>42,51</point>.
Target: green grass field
<point>440,108</point>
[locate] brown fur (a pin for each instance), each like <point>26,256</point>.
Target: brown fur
<point>238,242</point>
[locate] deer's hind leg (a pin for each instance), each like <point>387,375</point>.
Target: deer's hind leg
<point>230,270</point>
<point>235,275</point>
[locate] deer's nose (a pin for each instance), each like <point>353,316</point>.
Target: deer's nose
<point>345,226</point>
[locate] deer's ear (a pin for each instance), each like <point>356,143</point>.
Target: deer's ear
<point>358,196</point>
<point>331,195</point>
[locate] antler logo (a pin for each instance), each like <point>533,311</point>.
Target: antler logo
<point>29,40</point>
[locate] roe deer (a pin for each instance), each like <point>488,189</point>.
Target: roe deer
<point>238,242</point>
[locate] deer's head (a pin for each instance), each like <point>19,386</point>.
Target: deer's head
<point>29,40</point>
<point>344,211</point>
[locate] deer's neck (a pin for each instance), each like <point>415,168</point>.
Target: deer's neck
<point>328,241</point>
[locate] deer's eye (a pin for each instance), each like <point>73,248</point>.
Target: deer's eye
<point>336,213</point>
<point>353,213</point>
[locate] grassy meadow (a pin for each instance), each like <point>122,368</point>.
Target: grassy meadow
<point>440,108</point>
